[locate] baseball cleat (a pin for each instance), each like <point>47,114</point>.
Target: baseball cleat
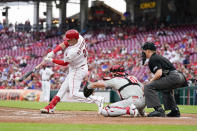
<point>157,113</point>
<point>136,112</point>
<point>174,113</point>
<point>47,111</point>
<point>100,104</point>
<point>142,112</point>
<point>133,111</point>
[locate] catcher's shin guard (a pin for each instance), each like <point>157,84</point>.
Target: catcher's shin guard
<point>118,111</point>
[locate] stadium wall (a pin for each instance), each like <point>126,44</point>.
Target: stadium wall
<point>183,96</point>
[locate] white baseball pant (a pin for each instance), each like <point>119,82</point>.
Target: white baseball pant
<point>73,82</point>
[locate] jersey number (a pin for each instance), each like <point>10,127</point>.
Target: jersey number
<point>132,79</point>
<point>84,52</point>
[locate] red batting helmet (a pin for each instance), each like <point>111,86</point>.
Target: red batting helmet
<point>72,34</point>
<point>118,69</point>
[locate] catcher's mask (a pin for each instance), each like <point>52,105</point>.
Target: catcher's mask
<point>118,70</point>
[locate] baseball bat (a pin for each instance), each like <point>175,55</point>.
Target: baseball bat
<point>30,72</point>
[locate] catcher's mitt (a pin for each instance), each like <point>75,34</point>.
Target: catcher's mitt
<point>87,92</point>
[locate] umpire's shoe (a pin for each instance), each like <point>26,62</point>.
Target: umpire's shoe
<point>157,113</point>
<point>174,113</point>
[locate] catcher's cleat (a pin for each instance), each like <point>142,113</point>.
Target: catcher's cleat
<point>47,110</point>
<point>136,112</point>
<point>142,112</point>
<point>133,110</point>
<point>100,104</point>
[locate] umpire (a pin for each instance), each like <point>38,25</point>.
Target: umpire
<point>165,79</point>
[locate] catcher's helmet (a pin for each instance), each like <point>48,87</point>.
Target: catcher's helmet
<point>71,34</point>
<point>118,69</point>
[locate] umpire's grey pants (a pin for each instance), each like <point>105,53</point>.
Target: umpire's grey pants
<point>165,85</point>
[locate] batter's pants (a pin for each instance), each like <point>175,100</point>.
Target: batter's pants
<point>73,82</point>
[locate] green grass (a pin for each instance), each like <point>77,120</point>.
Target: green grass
<point>60,106</point>
<point>86,127</point>
<point>77,106</point>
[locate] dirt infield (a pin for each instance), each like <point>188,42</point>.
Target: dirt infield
<point>87,117</point>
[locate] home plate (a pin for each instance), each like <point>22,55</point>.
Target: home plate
<point>184,117</point>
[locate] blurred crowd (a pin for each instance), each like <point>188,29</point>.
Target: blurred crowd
<point>100,59</point>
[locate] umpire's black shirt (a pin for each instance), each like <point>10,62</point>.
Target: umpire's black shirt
<point>157,62</point>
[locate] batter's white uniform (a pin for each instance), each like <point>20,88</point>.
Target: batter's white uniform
<point>45,75</point>
<point>76,55</point>
<point>130,95</point>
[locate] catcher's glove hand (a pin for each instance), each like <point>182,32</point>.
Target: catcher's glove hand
<point>87,92</point>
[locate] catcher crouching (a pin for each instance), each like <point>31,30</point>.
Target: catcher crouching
<point>129,89</point>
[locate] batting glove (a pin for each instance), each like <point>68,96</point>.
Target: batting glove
<point>47,59</point>
<point>50,54</point>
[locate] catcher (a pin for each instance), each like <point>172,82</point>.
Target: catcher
<point>129,89</point>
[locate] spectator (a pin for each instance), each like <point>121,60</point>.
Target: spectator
<point>23,62</point>
<point>186,61</point>
<point>1,26</point>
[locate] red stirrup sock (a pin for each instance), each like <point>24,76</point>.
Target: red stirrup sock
<point>54,102</point>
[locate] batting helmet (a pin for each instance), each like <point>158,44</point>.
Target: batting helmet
<point>72,34</point>
<point>118,69</point>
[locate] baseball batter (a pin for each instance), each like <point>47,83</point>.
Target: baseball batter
<point>130,91</point>
<point>75,56</point>
<point>46,74</point>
